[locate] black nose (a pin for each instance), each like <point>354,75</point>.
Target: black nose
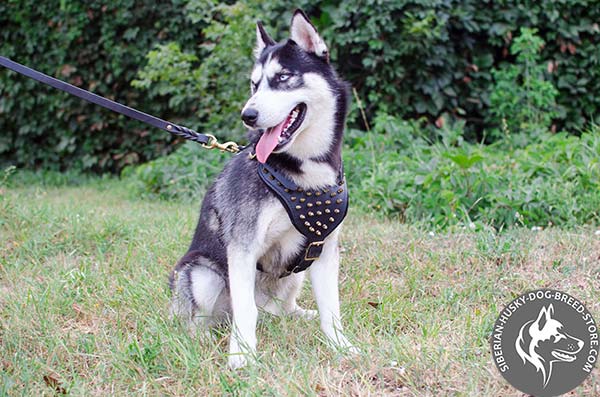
<point>250,116</point>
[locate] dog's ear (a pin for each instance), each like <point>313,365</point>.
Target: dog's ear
<point>544,316</point>
<point>263,40</point>
<point>304,33</point>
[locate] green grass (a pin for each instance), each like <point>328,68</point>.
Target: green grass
<point>83,303</point>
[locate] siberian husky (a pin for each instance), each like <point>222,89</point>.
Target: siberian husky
<point>296,115</point>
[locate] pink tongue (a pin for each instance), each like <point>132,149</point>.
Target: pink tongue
<point>268,141</point>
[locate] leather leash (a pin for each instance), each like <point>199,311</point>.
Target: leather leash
<point>208,141</point>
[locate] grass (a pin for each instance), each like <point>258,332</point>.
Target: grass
<point>83,303</point>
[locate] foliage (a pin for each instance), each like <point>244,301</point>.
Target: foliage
<point>554,181</point>
<point>94,46</point>
<point>419,58</point>
<point>521,99</point>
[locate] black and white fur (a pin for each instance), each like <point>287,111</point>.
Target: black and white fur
<point>242,222</point>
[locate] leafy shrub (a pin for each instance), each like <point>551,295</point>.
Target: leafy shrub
<point>553,181</point>
<point>426,58</point>
<point>94,45</point>
<point>521,99</point>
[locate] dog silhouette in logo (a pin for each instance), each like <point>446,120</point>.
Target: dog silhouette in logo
<point>543,342</point>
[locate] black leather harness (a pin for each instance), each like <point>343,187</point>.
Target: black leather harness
<point>314,213</point>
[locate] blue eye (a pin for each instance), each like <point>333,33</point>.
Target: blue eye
<point>284,76</point>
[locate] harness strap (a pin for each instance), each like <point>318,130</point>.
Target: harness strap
<point>314,213</point>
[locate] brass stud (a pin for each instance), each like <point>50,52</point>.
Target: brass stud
<point>302,199</point>
<point>333,194</point>
<point>293,198</point>
<point>324,227</point>
<point>319,213</point>
<point>286,190</point>
<point>338,201</point>
<point>271,177</point>
<point>325,190</point>
<point>340,190</point>
<point>298,207</point>
<point>331,219</point>
<point>327,202</point>
<point>318,223</point>
<point>307,223</point>
<point>309,204</point>
<point>318,233</point>
<point>312,229</point>
<point>299,190</point>
<point>337,211</point>
<point>302,217</point>
<point>317,193</point>
<point>327,210</point>
<point>310,213</point>
<point>309,194</point>
<point>318,203</point>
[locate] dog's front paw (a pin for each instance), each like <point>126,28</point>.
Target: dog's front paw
<point>237,361</point>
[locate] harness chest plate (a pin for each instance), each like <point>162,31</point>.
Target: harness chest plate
<point>314,213</point>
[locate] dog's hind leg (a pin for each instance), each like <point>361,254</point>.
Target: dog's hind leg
<point>196,291</point>
<point>282,298</point>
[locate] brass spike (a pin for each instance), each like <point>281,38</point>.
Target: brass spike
<point>302,199</point>
<point>309,193</point>
<point>319,213</point>
<point>312,229</point>
<point>327,202</point>
<point>317,193</point>
<point>333,194</point>
<point>307,223</point>
<point>286,190</point>
<point>318,203</point>
<point>338,201</point>
<point>310,213</point>
<point>293,198</point>
<point>309,204</point>
<point>324,227</point>
<point>318,233</point>
<point>318,223</point>
<point>302,217</point>
<point>331,219</point>
<point>327,210</point>
<point>337,211</point>
<point>298,207</point>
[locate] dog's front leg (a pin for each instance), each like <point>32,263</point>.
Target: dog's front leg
<point>324,280</point>
<point>242,273</point>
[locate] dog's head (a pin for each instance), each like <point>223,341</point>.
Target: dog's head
<point>294,93</point>
<point>543,342</point>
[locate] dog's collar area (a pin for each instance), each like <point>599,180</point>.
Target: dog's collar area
<point>314,213</point>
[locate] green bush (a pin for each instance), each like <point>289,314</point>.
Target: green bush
<point>554,181</point>
<point>94,45</point>
<point>521,100</point>
<point>426,58</point>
